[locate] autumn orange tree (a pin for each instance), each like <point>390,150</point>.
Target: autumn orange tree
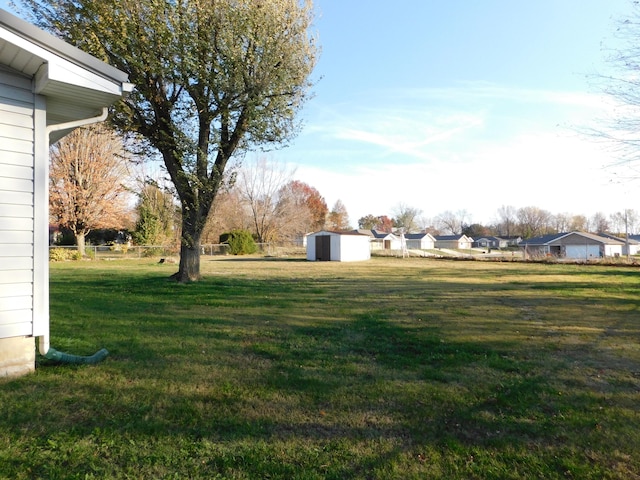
<point>213,78</point>
<point>307,199</point>
<point>88,171</point>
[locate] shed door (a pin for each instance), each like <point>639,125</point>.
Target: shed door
<point>323,248</point>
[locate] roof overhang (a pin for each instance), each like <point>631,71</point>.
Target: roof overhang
<point>76,85</point>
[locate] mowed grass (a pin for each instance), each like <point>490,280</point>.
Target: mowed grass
<point>387,369</point>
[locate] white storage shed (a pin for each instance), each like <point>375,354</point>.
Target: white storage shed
<point>47,88</point>
<point>338,246</point>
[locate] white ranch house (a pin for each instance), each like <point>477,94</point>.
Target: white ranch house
<point>47,88</point>
<point>456,242</point>
<point>572,245</point>
<point>420,241</point>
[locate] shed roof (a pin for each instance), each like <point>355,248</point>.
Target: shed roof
<point>336,232</point>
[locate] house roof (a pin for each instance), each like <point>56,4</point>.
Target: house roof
<point>417,236</point>
<point>542,239</point>
<point>632,241</point>
<point>452,237</point>
<point>560,237</point>
<point>77,85</point>
<point>489,237</point>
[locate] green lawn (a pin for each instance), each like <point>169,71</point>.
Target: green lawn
<point>286,369</point>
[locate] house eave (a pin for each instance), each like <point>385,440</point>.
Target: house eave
<point>76,84</point>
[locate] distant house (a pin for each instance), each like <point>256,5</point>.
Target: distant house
<point>496,242</point>
<point>328,246</point>
<point>490,242</point>
<point>420,241</point>
<point>572,245</point>
<point>47,89</point>
<point>381,240</point>
<point>455,242</point>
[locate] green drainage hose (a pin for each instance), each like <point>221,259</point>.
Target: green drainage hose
<point>53,354</point>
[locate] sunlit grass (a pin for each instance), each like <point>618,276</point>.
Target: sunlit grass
<point>392,368</point>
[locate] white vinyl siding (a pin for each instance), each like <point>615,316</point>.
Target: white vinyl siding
<point>16,204</point>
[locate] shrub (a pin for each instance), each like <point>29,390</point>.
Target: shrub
<point>240,242</point>
<point>63,254</point>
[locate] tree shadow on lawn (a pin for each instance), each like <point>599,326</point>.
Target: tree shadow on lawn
<point>335,382</point>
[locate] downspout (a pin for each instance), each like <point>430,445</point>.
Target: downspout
<point>43,341</point>
<point>78,123</point>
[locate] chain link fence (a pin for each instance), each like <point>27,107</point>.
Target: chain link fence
<point>123,251</point>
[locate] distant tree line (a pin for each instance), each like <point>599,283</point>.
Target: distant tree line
<point>91,186</point>
<point>525,222</point>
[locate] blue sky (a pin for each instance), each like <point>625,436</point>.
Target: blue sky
<point>459,105</point>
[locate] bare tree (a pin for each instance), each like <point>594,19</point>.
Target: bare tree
<point>451,222</point>
<point>561,222</point>
<point>624,222</point>
<point>507,220</point>
<point>229,213</point>
<point>260,183</point>
<point>623,86</point>
<point>599,223</point>
<point>87,178</point>
<point>533,221</point>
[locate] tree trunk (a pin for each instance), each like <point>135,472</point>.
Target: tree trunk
<point>189,270</point>
<point>80,242</point>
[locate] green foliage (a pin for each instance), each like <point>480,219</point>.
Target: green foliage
<point>155,216</point>
<point>222,76</point>
<point>240,242</point>
<point>63,254</point>
<point>148,227</point>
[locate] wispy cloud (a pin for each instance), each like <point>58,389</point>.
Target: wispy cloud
<point>476,147</point>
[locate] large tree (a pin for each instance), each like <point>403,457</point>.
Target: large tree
<point>213,78</point>
<point>87,177</point>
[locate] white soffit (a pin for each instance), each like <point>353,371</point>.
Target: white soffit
<point>76,84</point>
